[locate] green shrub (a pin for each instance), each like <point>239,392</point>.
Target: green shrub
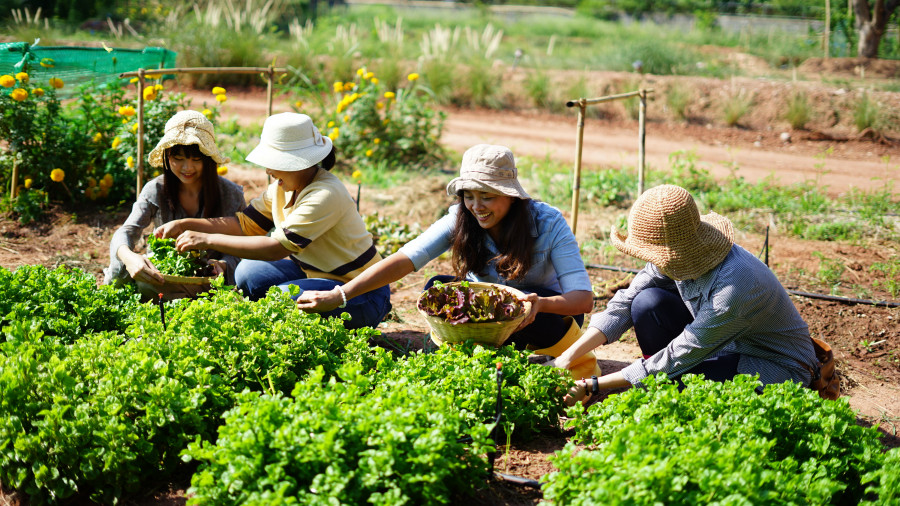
<point>866,113</point>
<point>678,98</point>
<point>537,87</point>
<point>736,106</point>
<point>798,111</point>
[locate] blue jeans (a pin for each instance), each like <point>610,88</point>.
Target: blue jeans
<point>547,328</point>
<point>255,277</point>
<point>659,316</point>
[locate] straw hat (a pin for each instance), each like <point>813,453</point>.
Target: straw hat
<point>290,142</point>
<point>666,229</point>
<point>489,169</point>
<point>186,128</point>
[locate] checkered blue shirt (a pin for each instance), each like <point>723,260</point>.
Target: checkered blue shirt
<point>738,307</point>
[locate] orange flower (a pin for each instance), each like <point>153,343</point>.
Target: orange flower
<point>56,82</point>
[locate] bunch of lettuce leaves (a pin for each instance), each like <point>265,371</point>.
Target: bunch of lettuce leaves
<point>463,304</point>
<point>170,261</point>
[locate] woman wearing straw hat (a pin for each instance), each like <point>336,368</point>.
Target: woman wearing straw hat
<point>190,186</point>
<point>701,305</point>
<point>318,240</point>
<point>497,234</point>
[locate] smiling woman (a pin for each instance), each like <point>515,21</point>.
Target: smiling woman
<point>304,231</point>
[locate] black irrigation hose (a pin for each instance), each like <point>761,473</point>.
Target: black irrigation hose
<point>518,480</point>
<point>845,300</point>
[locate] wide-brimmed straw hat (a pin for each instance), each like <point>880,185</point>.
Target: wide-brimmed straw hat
<point>184,129</point>
<point>290,142</point>
<point>666,229</point>
<point>489,169</point>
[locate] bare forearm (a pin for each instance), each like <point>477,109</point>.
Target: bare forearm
<point>383,273</point>
<point>569,303</point>
<point>225,225</point>
<point>254,247</point>
<point>591,339</point>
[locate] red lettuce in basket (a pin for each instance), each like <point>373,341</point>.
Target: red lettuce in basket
<point>461,304</point>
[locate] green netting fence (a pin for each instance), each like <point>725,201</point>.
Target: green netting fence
<point>77,65</point>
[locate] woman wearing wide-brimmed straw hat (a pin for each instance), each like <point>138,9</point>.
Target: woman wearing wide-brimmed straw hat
<point>701,305</point>
<point>304,230</point>
<point>496,233</point>
<point>190,186</point>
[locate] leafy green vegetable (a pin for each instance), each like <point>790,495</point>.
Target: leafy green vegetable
<point>720,443</point>
<point>461,303</point>
<point>170,261</point>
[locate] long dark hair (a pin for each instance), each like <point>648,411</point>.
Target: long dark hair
<point>210,201</point>
<point>516,244</point>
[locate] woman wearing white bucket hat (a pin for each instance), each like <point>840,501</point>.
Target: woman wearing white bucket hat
<point>701,305</point>
<point>497,234</point>
<point>190,186</point>
<point>303,231</point>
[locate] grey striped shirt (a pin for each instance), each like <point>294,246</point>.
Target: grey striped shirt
<point>738,307</point>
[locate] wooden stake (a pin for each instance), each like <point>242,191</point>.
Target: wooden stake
<point>139,163</point>
<point>576,183</point>
<point>642,134</point>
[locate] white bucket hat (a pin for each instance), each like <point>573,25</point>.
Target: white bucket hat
<point>184,129</point>
<point>666,229</point>
<point>290,142</point>
<point>489,169</point>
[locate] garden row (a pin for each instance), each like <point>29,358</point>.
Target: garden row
<point>270,406</point>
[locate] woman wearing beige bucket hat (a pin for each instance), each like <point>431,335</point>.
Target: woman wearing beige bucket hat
<point>701,305</point>
<point>496,233</point>
<point>190,186</point>
<point>304,230</point>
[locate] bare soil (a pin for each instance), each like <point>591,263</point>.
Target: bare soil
<point>866,338</point>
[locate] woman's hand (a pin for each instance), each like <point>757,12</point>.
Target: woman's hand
<point>316,301</point>
<point>219,267</point>
<point>171,229</point>
<point>142,269</point>
<point>190,240</point>
<point>532,313</point>
<point>578,393</point>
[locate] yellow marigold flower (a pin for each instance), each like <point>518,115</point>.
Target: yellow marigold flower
<point>331,124</point>
<point>56,82</point>
<point>361,71</point>
<point>374,80</point>
<point>369,75</point>
<point>28,182</point>
<point>7,81</point>
<point>155,173</point>
<point>158,87</point>
<point>377,140</point>
<point>386,121</point>
<point>222,170</point>
<point>134,127</point>
<point>92,182</point>
<point>357,175</point>
<point>124,121</point>
<point>379,105</point>
<point>389,94</point>
<point>48,63</point>
<point>116,142</point>
<point>130,162</point>
<point>149,93</point>
<point>338,86</point>
<point>19,94</point>
<point>218,90</point>
<point>346,118</point>
<point>298,104</point>
<point>98,137</point>
<point>38,92</point>
<point>127,111</point>
<point>134,80</point>
<point>108,179</point>
<point>369,152</point>
<point>332,136</point>
<point>336,131</point>
<point>221,98</point>
<point>207,113</point>
<point>340,107</point>
<point>22,77</point>
<point>152,76</point>
<point>353,97</point>
<point>57,175</point>
<point>348,86</point>
<point>91,192</point>
<point>413,76</point>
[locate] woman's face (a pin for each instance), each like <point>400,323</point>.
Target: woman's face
<point>292,180</point>
<point>488,208</point>
<point>189,170</point>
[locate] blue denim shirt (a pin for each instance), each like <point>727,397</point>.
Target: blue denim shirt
<point>556,261</point>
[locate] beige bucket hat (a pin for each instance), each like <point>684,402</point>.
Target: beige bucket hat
<point>186,128</point>
<point>489,169</point>
<point>666,229</point>
<point>290,142</point>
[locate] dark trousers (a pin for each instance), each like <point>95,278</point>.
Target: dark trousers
<point>546,329</point>
<point>659,316</point>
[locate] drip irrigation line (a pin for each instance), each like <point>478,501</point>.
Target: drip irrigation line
<point>519,480</point>
<point>833,298</point>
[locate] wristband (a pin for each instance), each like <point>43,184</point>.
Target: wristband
<point>595,385</point>
<point>343,297</point>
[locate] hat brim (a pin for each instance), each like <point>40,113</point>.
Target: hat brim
<point>156,155</point>
<point>508,188</point>
<point>714,239</point>
<point>289,161</point>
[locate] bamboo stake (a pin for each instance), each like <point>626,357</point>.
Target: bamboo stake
<point>827,29</point>
<point>270,77</point>
<point>139,163</point>
<point>14,190</point>
<point>576,183</point>
<point>642,134</point>
<point>209,70</point>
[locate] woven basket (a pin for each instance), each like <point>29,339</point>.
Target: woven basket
<point>489,333</point>
<point>174,287</point>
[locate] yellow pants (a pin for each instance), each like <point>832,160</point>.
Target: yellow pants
<point>584,366</point>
